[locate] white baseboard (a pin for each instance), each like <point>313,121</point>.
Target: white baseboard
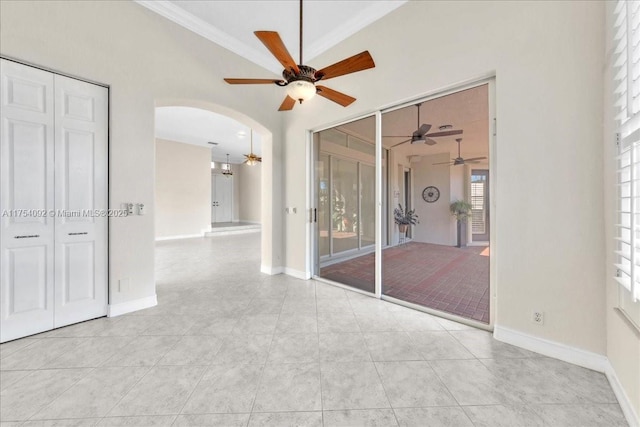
<point>180,236</point>
<point>576,356</point>
<point>297,273</point>
<point>130,306</point>
<point>625,403</point>
<point>271,270</point>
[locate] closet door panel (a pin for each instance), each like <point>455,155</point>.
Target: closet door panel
<point>26,201</point>
<point>81,192</point>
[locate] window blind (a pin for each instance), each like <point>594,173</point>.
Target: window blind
<point>626,69</point>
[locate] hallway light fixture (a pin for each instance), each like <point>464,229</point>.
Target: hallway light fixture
<point>252,159</point>
<point>226,169</point>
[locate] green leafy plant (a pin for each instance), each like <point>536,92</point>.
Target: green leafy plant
<point>401,216</point>
<point>460,209</point>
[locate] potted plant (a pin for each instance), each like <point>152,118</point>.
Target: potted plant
<point>404,218</point>
<point>461,211</point>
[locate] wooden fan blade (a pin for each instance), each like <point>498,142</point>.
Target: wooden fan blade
<point>396,136</point>
<point>400,143</point>
<point>422,130</point>
<point>474,158</point>
<point>251,81</point>
<point>359,62</point>
<point>445,133</point>
<point>273,42</point>
<point>429,141</point>
<point>335,96</point>
<point>442,163</point>
<point>287,104</point>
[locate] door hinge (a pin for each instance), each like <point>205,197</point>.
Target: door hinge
<point>618,139</point>
<point>495,126</point>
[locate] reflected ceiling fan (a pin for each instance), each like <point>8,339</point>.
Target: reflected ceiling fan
<point>420,136</point>
<point>252,159</point>
<point>459,160</point>
<point>301,80</point>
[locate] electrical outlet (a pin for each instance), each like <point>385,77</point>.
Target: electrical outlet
<point>538,317</point>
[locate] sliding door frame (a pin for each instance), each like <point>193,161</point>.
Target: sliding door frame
<point>313,152</point>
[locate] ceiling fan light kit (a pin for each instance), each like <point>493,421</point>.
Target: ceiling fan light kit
<point>301,90</point>
<point>300,80</point>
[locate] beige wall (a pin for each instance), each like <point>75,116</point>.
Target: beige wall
<point>249,192</point>
<point>435,219</point>
<point>623,341</point>
<point>183,189</point>
<point>147,61</point>
<point>544,55</point>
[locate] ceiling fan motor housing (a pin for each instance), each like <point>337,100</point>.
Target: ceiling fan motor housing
<point>306,73</point>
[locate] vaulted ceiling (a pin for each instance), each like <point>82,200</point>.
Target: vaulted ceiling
<point>231,24</point>
<point>326,23</point>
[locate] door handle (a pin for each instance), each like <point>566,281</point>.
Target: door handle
<point>315,215</point>
<point>78,234</point>
<point>27,236</point>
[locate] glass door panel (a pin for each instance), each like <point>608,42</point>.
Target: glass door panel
<point>324,205</point>
<point>345,199</point>
<point>344,212</point>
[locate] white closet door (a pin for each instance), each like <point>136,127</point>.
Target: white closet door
<point>81,193</point>
<point>26,199</point>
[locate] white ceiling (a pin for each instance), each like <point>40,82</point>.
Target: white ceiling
<point>231,23</point>
<point>198,127</point>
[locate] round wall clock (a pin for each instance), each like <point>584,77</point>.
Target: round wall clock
<point>430,194</point>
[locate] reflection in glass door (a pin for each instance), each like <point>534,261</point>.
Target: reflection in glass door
<point>345,197</point>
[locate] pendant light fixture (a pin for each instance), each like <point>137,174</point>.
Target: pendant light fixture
<point>226,170</point>
<point>252,159</point>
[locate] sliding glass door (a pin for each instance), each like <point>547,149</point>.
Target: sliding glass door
<point>438,262</point>
<point>345,199</point>
<point>384,188</point>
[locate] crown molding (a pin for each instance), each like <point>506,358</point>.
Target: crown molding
<point>181,17</point>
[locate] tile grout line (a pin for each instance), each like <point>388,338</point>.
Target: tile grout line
<point>266,361</point>
<point>150,368</point>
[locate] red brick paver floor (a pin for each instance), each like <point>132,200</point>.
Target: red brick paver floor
<point>450,279</point>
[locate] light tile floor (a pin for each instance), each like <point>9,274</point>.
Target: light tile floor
<point>228,346</point>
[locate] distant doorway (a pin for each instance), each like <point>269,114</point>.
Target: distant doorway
<point>480,205</point>
<point>221,198</point>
